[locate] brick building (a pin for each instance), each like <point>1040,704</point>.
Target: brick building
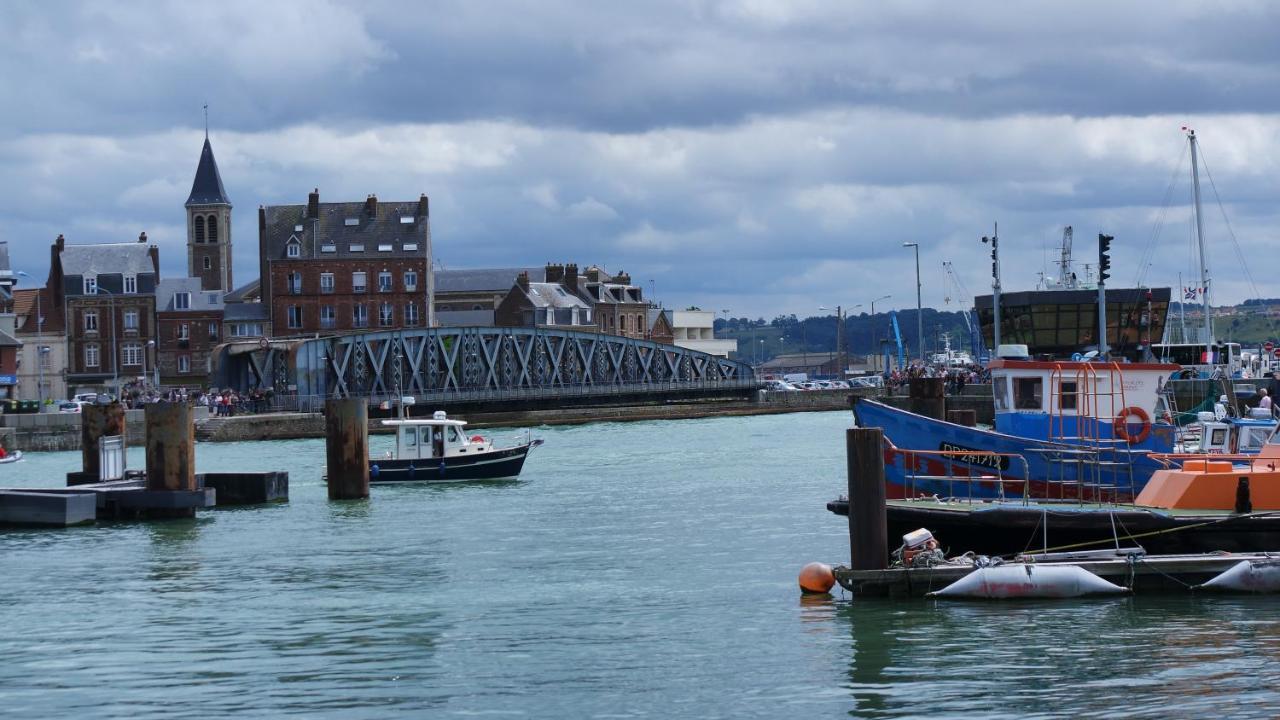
<point>618,306</point>
<point>543,304</point>
<point>107,296</point>
<point>345,267</point>
<point>209,226</point>
<point>43,356</point>
<point>189,325</point>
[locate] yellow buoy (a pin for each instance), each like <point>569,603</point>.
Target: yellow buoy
<point>816,578</point>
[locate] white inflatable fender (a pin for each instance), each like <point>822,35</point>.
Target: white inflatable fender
<point>1256,576</point>
<point>1028,580</point>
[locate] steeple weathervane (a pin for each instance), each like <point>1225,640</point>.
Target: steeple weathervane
<point>206,121</point>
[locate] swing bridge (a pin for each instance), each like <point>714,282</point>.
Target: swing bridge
<point>473,364</point>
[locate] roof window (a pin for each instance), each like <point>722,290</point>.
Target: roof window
<point>385,248</point>
<point>351,222</point>
<point>328,248</point>
<point>406,219</point>
<point>297,228</point>
<point>356,247</point>
<point>411,246</point>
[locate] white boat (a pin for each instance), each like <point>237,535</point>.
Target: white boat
<point>438,450</point>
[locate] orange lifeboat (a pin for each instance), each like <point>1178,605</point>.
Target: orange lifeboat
<point>1217,483</point>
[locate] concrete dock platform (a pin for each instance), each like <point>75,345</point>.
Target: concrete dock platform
<point>37,509</point>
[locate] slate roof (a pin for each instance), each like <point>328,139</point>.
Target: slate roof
<point>543,294</point>
<point>248,291</point>
<point>125,258</point>
<point>497,280</point>
<point>244,312</point>
<point>207,188</point>
<point>201,300</point>
<point>331,228</point>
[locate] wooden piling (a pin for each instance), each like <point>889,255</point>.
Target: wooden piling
<point>97,421</point>
<point>171,443</point>
<point>346,424</point>
<point>868,523</point>
<point>927,396</point>
<point>968,418</point>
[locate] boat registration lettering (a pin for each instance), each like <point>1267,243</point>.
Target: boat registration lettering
<point>978,457</point>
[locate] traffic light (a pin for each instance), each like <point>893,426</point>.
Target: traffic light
<point>1104,257</point>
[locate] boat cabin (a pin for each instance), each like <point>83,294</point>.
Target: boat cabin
<point>1196,361</point>
<point>436,438</point>
<point>1232,435</point>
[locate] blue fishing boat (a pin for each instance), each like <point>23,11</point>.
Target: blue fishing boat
<point>1066,429</point>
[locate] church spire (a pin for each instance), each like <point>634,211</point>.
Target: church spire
<point>207,188</point>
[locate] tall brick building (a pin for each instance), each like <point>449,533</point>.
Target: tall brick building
<point>189,325</point>
<point>345,267</point>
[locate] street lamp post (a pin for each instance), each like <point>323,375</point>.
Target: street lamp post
<point>919,308</point>
<point>995,286</point>
<point>115,357</point>
<point>145,348</point>
<point>873,325</point>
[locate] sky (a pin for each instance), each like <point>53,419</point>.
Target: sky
<point>752,156</point>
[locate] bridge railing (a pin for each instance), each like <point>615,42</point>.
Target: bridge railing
<point>283,402</point>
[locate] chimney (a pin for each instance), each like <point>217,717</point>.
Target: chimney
<point>262,221</point>
<point>423,209</point>
<point>371,206</point>
<point>313,204</point>
<point>571,276</point>
<point>622,278</point>
<point>555,273</point>
<point>142,238</point>
<point>523,280</point>
<point>593,274</point>
<point>60,243</point>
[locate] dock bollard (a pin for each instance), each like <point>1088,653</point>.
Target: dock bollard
<point>868,524</point>
<point>927,396</point>
<point>97,421</point>
<point>171,446</point>
<point>346,426</point>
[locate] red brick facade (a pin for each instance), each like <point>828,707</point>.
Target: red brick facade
<point>89,335</point>
<point>326,299</point>
<point>186,338</point>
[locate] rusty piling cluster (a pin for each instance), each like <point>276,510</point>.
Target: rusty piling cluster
<point>346,424</point>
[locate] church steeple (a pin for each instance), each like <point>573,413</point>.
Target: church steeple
<point>209,226</point>
<point>207,188</point>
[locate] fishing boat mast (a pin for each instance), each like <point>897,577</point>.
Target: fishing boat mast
<point>1204,258</point>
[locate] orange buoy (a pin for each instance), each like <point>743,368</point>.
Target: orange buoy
<point>816,578</point>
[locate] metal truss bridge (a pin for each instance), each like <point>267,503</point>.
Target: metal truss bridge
<point>472,364</point>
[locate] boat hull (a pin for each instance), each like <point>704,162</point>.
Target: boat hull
<point>985,477</point>
<point>504,464</point>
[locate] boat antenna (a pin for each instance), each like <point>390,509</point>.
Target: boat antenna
<point>1204,259</point>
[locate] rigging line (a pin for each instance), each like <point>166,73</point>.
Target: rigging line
<point>1149,252</point>
<point>1230,232</point>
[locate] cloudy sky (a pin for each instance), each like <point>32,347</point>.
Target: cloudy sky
<point>757,156</point>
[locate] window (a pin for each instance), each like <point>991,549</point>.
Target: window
<point>131,283</point>
<point>208,263</point>
<point>132,354</point>
<point>130,319</point>
<point>411,246</point>
<point>293,249</point>
<point>182,301</point>
<point>411,314</point>
<point>91,355</point>
<point>385,247</point>
<point>360,316</point>
<point>45,361</point>
<point>213,229</point>
<point>328,248</point>
<point>295,317</point>
<point>386,315</point>
<point>297,228</point>
<point>351,222</point>
<point>1069,392</point>
<point>184,363</point>
<point>91,321</point>
<point>90,285</point>
<point>184,331</point>
<point>358,282</point>
<point>406,219</point>
<point>295,283</point>
<point>384,281</point>
<point>326,282</point>
<point>356,247</point>
<point>328,318</point>
<point>213,330</point>
<point>199,228</point>
<point>1027,393</point>
<point>410,280</point>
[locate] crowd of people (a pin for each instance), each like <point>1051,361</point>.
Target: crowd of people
<point>222,403</point>
<point>957,377</point>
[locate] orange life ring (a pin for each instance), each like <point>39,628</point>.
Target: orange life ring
<point>1121,425</point>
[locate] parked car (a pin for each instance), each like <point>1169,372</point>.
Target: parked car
<point>70,406</point>
<point>780,386</point>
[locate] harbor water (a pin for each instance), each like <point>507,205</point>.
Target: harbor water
<point>637,570</point>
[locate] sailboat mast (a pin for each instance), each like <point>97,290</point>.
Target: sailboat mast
<point>1204,258</point>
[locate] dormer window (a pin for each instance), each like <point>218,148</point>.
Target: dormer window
<point>182,301</point>
<point>294,248</point>
<point>131,283</point>
<point>90,285</point>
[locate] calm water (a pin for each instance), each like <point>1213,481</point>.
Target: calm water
<point>639,570</point>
